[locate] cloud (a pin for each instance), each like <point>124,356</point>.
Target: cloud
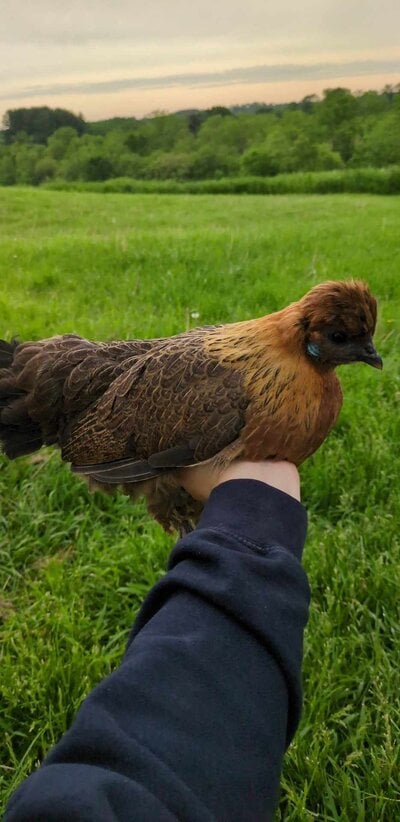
<point>102,57</point>
<point>207,79</point>
<point>358,23</point>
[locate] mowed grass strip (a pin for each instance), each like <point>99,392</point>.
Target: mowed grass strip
<point>75,567</point>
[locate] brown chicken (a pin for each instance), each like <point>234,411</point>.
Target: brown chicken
<point>132,413</point>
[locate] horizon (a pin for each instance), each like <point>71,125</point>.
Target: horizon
<point>284,102</point>
<point>120,61</point>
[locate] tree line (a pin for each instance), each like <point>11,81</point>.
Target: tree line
<point>337,131</point>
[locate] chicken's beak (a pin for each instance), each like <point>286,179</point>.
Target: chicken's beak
<point>370,356</point>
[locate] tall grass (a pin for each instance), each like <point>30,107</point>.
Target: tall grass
<point>353,181</point>
<point>75,567</point>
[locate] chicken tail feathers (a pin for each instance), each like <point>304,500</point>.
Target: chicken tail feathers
<point>7,350</point>
<point>19,433</point>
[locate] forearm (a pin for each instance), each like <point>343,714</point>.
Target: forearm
<point>194,723</point>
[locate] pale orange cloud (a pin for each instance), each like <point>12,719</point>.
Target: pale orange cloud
<point>127,58</point>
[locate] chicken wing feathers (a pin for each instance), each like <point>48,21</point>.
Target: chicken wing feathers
<point>170,408</point>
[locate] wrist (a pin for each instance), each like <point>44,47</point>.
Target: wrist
<point>281,475</point>
<point>256,511</point>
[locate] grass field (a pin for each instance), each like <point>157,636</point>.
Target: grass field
<point>75,567</point>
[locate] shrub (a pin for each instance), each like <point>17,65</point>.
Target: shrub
<point>7,170</point>
<point>45,169</point>
<point>209,163</point>
<point>259,162</point>
<point>167,166</point>
<point>97,167</point>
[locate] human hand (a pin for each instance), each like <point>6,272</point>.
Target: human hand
<point>201,479</point>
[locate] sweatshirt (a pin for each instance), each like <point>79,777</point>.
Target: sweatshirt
<point>193,724</point>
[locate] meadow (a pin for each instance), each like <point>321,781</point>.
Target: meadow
<point>74,567</point>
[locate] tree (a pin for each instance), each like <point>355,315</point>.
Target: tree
<point>209,163</point>
<point>338,112</point>
<point>218,111</point>
<point>163,132</point>
<point>129,165</point>
<point>8,175</point>
<point>233,134</point>
<point>26,158</point>
<point>380,143</point>
<point>97,168</point>
<point>195,120</point>
<point>136,142</point>
<point>338,107</point>
<point>327,160</point>
<point>341,129</point>
<point>45,169</point>
<point>260,162</point>
<point>103,127</point>
<point>39,122</point>
<point>344,140</point>
<point>59,142</point>
<point>308,102</point>
<point>303,154</point>
<point>168,165</point>
<point>371,102</point>
<point>74,165</point>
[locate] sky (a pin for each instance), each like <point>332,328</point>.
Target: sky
<point>133,57</point>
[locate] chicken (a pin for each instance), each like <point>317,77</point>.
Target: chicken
<point>133,413</point>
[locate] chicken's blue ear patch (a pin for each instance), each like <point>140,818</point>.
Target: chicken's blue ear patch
<point>313,350</point>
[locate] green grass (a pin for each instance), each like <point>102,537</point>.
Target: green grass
<point>75,567</point>
<point>356,180</point>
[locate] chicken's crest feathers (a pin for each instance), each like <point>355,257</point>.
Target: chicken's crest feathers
<point>348,305</point>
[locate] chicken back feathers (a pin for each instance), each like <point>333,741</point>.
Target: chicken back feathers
<point>132,413</point>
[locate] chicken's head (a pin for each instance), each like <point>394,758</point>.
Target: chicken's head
<point>339,321</point>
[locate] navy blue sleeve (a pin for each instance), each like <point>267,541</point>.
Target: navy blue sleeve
<point>194,723</point>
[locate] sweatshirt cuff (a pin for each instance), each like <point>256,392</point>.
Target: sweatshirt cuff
<point>257,512</point>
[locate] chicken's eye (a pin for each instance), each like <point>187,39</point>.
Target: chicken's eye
<point>338,337</point>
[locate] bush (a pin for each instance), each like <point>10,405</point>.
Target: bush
<point>380,145</point>
<point>259,162</point>
<point>209,163</point>
<point>59,142</point>
<point>167,166</point>
<point>327,159</point>
<point>82,165</point>
<point>97,168</point>
<point>129,165</point>
<point>8,175</point>
<point>45,169</point>
<point>26,158</point>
